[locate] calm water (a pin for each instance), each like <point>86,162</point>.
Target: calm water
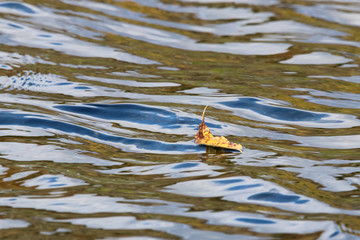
<point>100,102</point>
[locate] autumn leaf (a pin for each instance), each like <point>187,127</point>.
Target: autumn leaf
<point>205,137</point>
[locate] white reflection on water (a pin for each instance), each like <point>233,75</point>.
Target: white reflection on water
<point>20,152</point>
<point>251,2</point>
<point>49,181</point>
<point>125,222</point>
<point>354,79</point>
<point>284,29</point>
<point>33,82</point>
<point>169,39</point>
<point>332,99</point>
<point>175,170</point>
<point>51,83</point>
<point>23,131</point>
<point>329,173</point>
<point>343,14</point>
<point>120,223</point>
<point>136,74</point>
<point>201,91</point>
<point>130,83</point>
<point>334,142</point>
<point>59,230</point>
<point>322,39</point>
<point>12,223</point>
<point>208,13</point>
<point>317,58</point>
<point>328,176</point>
<point>262,224</point>
<point>19,175</point>
<point>3,170</point>
<point>13,60</point>
<point>89,203</point>
<point>132,238</point>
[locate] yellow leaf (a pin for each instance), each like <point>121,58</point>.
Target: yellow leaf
<point>205,137</point>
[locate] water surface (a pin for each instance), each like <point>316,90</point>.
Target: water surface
<point>101,100</point>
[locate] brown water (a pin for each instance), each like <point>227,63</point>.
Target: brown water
<point>101,100</point>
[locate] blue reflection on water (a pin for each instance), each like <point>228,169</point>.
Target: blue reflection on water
<point>82,87</point>
<point>335,234</point>
<point>255,221</point>
<point>15,25</point>
<point>18,6</point>
<point>44,35</point>
<point>63,83</point>
<point>185,165</point>
<point>5,66</point>
<point>135,113</point>
<point>57,185</point>
<point>30,80</point>
<point>242,187</point>
<point>228,181</point>
<point>280,113</point>
<point>8,118</point>
<point>58,204</point>
<point>277,197</point>
<point>51,179</point>
<point>54,181</point>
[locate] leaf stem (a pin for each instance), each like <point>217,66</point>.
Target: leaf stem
<point>203,114</point>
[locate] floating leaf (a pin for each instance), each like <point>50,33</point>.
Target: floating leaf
<point>205,137</point>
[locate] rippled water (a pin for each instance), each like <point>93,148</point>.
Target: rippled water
<point>101,100</point>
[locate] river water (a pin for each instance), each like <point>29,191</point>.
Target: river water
<point>100,102</point>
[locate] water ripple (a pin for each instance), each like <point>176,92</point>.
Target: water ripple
<point>175,229</point>
<point>30,120</point>
<point>136,113</point>
<point>266,110</point>
<point>176,170</point>
<point>257,191</point>
<point>36,38</point>
<point>174,40</point>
